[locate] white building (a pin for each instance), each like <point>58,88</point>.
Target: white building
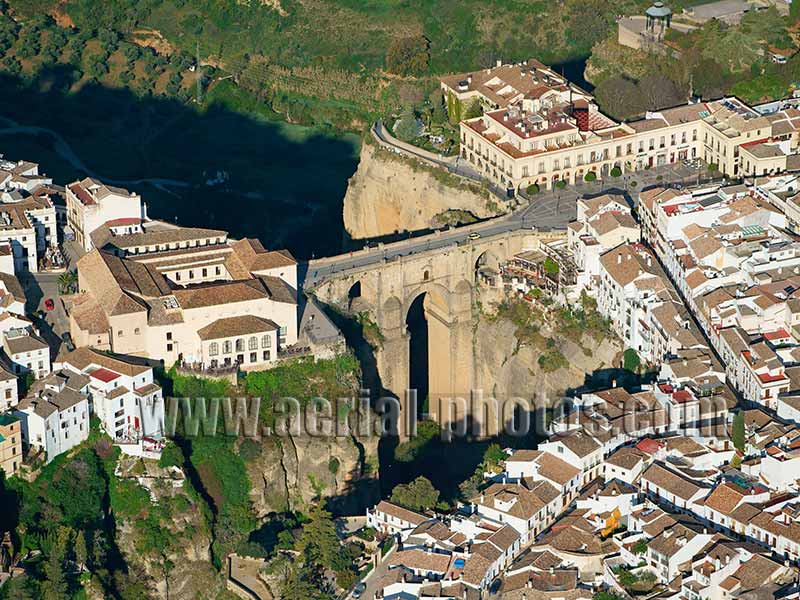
<point>91,204</point>
<point>55,414</point>
<point>124,396</point>
<point>27,352</point>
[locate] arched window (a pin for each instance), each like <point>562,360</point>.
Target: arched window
<point>265,343</point>
<point>213,349</point>
<point>252,343</point>
<point>426,276</point>
<point>240,345</point>
<point>226,347</point>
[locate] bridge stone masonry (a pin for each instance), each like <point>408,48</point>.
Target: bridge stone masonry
<point>448,281</point>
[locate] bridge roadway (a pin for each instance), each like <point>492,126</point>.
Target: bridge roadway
<point>551,212</point>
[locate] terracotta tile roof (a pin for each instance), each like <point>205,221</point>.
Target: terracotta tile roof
<point>420,560</point>
<point>404,514</point>
<point>24,343</point>
<point>550,467</point>
<point>670,481</point>
<point>578,442</point>
<point>255,258</point>
<point>235,326</point>
<point>213,294</point>
<point>724,498</point>
<point>625,263</point>
<point>475,569</point>
<point>626,458</point>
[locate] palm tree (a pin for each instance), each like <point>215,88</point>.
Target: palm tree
<point>67,281</point>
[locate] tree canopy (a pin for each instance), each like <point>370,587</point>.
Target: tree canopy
<point>417,495</point>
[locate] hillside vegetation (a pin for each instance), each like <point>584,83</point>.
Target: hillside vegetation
<point>712,61</point>
<point>341,62</point>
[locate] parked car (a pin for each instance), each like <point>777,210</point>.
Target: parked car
<point>474,235</point>
<point>359,590</point>
<point>68,343</point>
<point>49,304</point>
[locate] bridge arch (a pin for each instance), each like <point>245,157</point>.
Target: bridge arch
<point>487,268</point>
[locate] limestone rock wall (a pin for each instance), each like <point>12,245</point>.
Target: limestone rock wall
<point>503,369</point>
<point>292,471</point>
<point>389,194</point>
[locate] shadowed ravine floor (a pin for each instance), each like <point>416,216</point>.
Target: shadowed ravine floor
<point>216,166</point>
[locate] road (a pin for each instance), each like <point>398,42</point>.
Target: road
<point>547,210</point>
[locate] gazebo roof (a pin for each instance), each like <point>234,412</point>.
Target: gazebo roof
<point>658,11</point>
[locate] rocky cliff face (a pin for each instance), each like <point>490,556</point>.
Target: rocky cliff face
<point>506,369</point>
<point>292,471</point>
<point>389,194</point>
<point>182,568</point>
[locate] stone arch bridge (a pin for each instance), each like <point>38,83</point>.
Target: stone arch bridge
<point>448,280</point>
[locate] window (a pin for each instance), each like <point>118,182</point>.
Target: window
<point>119,333</point>
<point>169,347</point>
<point>252,343</point>
<point>136,331</point>
<point>265,341</point>
<point>226,347</point>
<point>239,345</point>
<point>177,275</point>
<point>253,357</point>
<point>169,336</point>
<point>213,349</point>
<point>266,354</point>
<point>191,274</point>
<point>218,271</point>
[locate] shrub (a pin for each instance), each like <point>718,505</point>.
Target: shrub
<point>631,361</point>
<point>473,110</point>
<point>550,266</point>
<point>561,184</point>
<point>333,465</point>
<point>408,127</point>
<point>408,55</point>
<point>532,189</point>
<point>616,172</point>
<point>590,176</point>
<point>249,450</point>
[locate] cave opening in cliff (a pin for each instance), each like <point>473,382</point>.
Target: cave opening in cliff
<point>419,370</point>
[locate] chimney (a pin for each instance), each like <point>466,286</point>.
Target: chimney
<point>619,258</point>
<point>552,570</point>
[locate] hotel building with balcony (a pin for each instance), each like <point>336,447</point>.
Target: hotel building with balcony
<point>548,130</point>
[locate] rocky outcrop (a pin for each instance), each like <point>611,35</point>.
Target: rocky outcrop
<point>191,573</point>
<point>507,369</point>
<point>293,471</point>
<point>390,194</point>
<point>611,59</point>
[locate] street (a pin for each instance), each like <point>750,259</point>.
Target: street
<point>548,209</point>
<point>41,286</point>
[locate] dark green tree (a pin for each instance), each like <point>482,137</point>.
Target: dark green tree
<point>631,361</point>
<point>738,433</point>
<point>417,495</point>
